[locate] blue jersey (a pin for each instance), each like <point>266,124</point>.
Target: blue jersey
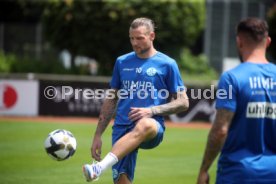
<point>144,83</point>
<point>249,152</point>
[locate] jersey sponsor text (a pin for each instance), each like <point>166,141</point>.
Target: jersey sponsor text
<point>261,82</point>
<point>137,85</point>
<point>261,110</point>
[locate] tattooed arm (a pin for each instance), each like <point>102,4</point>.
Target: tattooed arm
<point>216,139</point>
<point>178,103</point>
<point>107,111</point>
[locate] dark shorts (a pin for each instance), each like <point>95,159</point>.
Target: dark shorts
<point>128,163</point>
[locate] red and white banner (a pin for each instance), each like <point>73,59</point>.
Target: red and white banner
<point>19,97</point>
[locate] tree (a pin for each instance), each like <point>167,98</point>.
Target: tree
<point>99,29</point>
<point>23,11</point>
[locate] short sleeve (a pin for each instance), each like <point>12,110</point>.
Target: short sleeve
<point>173,80</point>
<point>226,94</point>
<point>115,80</point>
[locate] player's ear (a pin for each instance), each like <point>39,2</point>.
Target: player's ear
<point>268,41</point>
<point>239,41</point>
<point>152,36</point>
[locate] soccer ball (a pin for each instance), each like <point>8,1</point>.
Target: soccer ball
<point>60,144</point>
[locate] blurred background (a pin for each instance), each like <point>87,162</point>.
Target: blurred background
<point>76,42</point>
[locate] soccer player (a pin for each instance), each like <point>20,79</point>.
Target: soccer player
<point>244,131</point>
<point>142,81</point>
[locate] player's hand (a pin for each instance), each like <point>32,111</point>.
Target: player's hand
<point>96,148</point>
<point>139,113</point>
<point>203,178</point>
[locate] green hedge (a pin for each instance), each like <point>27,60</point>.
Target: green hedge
<point>196,69</point>
<point>10,63</point>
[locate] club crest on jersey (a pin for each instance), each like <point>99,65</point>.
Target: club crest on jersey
<point>151,71</point>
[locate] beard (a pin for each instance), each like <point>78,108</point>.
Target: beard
<point>142,51</point>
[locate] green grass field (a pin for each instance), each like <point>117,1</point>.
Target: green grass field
<point>23,159</point>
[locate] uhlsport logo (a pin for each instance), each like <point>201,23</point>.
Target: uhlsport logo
<point>151,71</point>
<point>261,110</point>
<point>8,96</point>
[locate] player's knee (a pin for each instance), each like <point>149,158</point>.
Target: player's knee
<point>146,126</point>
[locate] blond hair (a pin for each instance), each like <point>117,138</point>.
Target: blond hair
<point>143,21</point>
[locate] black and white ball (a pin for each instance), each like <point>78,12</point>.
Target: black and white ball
<point>60,144</point>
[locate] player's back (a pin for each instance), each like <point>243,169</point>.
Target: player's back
<point>249,153</point>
